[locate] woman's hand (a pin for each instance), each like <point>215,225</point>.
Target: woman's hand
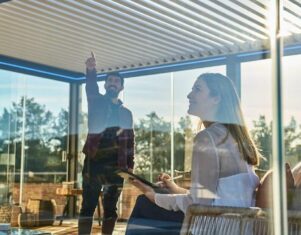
<point>145,189</point>
<point>166,182</point>
<point>164,176</point>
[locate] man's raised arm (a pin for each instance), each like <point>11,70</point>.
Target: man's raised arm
<point>92,89</point>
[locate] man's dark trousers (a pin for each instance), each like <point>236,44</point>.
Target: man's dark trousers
<point>98,176</point>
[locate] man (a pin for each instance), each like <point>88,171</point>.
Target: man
<point>109,146</point>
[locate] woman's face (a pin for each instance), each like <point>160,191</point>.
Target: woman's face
<point>201,103</point>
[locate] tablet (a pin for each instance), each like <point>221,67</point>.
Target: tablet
<point>129,175</point>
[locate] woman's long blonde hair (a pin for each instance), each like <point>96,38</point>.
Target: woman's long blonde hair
<point>230,114</point>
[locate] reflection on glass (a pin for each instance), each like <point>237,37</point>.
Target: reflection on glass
<point>186,126</point>
<point>223,158</point>
<point>33,137</point>
<point>149,99</point>
<point>292,128</point>
<point>256,79</point>
<point>7,143</point>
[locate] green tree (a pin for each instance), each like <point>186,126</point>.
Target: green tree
<point>152,137</point>
<point>292,136</point>
<point>183,135</point>
<point>59,128</point>
<point>262,135</point>
<point>7,129</point>
<point>45,135</point>
<point>184,125</point>
<point>37,119</point>
<point>61,124</point>
<point>6,124</point>
<point>57,143</point>
<point>153,144</point>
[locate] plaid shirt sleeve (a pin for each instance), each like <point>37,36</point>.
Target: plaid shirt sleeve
<point>126,149</point>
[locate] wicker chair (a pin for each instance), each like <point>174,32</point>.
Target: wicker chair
<point>233,221</point>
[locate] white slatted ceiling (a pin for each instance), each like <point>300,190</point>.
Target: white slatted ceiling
<point>136,33</point>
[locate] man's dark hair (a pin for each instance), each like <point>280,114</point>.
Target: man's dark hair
<point>115,75</point>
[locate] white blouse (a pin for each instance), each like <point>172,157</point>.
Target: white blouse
<point>219,175</point>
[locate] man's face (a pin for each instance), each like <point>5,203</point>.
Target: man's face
<point>113,86</point>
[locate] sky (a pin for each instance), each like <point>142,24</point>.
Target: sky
<point>150,93</point>
<point>53,94</point>
<point>257,89</point>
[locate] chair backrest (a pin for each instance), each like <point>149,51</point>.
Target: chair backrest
<point>234,221</point>
<point>224,220</point>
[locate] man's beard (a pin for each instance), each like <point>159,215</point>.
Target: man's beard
<point>112,93</point>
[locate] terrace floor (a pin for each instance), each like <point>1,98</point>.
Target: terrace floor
<point>69,227</point>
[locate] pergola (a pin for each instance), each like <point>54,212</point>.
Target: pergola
<point>52,38</point>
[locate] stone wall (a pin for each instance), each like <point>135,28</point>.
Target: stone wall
<point>47,191</point>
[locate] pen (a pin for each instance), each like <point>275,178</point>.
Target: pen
<point>174,178</point>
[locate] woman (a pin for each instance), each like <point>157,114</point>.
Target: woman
<point>222,163</point>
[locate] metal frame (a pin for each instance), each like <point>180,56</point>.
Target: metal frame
<point>35,69</point>
<point>72,151</point>
<point>280,222</point>
<point>233,71</point>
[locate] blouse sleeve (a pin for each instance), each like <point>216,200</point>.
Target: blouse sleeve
<point>204,177</point>
<point>173,202</point>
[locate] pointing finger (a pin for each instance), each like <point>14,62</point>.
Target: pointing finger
<point>92,55</point>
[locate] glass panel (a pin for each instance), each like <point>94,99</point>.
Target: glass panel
<point>149,98</point>
<point>34,112</point>
<point>34,137</point>
<point>186,126</point>
<point>82,136</point>
<point>7,137</point>
<point>163,133</point>
<point>256,98</point>
<point>46,136</point>
<point>292,135</point>
<point>256,76</point>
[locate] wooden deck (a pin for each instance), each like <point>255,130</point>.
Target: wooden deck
<point>69,227</point>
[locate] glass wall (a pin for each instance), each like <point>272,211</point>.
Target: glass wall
<point>33,137</point>
<point>33,152</point>
<point>292,109</point>
<point>186,126</point>
<point>256,98</point>
<point>149,98</point>
<point>292,130</point>
<point>7,144</point>
<point>34,116</point>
